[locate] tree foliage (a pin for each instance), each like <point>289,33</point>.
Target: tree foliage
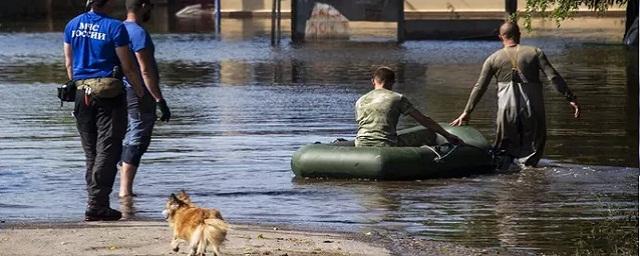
<point>559,10</point>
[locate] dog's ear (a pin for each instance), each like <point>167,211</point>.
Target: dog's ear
<point>175,200</point>
<point>184,196</point>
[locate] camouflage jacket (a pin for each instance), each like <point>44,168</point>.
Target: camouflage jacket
<point>377,114</point>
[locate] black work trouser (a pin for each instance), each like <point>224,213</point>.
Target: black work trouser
<point>102,124</point>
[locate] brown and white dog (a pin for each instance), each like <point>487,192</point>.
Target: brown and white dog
<point>200,227</point>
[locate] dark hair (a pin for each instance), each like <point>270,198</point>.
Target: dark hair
<point>510,30</point>
<point>385,75</point>
<point>98,3</point>
<point>134,5</point>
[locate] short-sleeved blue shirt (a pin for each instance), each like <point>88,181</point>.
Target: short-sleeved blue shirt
<point>139,39</point>
<point>94,38</point>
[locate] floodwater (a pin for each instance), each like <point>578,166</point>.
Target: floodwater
<point>241,108</point>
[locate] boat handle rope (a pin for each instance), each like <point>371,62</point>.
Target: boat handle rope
<point>439,157</point>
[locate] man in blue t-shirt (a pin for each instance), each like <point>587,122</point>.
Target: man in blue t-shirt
<point>142,111</point>
<point>94,46</point>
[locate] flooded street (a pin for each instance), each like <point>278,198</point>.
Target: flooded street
<point>241,108</point>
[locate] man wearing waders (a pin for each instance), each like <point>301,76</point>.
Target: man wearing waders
<point>142,111</point>
<point>96,47</point>
<point>521,127</point>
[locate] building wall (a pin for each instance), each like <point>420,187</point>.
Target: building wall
<point>41,8</point>
<point>410,5</point>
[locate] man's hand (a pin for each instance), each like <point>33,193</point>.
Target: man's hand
<point>166,113</point>
<point>576,108</point>
<point>463,119</point>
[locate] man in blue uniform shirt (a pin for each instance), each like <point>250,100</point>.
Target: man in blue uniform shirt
<point>142,111</point>
<point>95,46</point>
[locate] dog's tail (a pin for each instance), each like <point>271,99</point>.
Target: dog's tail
<point>215,233</point>
<point>212,232</point>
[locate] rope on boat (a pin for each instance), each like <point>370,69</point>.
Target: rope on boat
<point>442,157</point>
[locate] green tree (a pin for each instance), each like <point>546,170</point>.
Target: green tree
<point>559,10</point>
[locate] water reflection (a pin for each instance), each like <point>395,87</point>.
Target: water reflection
<point>534,209</point>
<point>604,135</point>
<point>127,207</point>
<point>631,103</point>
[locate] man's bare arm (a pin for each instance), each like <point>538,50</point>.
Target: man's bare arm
<point>130,69</point>
<point>149,73</point>
<point>68,60</point>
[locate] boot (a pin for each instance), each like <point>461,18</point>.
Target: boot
<point>101,212</point>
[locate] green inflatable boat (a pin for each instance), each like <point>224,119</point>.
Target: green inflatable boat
<point>343,160</point>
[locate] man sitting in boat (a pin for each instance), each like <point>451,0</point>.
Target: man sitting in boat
<point>378,111</point>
